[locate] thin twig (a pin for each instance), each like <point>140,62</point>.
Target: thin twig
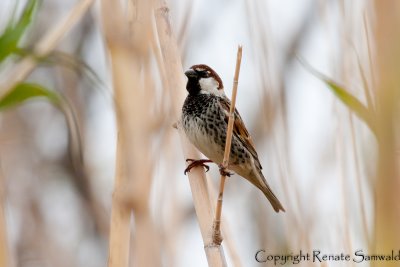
<point>229,243</point>
<point>217,239</point>
<point>371,66</point>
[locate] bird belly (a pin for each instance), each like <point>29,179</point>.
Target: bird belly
<point>210,149</point>
<point>205,140</point>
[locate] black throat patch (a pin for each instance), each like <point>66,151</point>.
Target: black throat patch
<point>193,86</point>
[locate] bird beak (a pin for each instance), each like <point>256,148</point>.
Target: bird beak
<point>190,73</point>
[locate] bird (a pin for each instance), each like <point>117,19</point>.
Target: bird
<point>204,119</point>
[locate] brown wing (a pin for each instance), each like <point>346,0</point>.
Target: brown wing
<point>239,129</point>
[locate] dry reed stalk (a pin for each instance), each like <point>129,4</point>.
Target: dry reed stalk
<point>46,45</point>
<point>229,243</point>
<point>371,91</point>
<point>197,177</point>
<point>128,37</point>
<point>4,252</point>
<point>119,235</point>
<point>217,238</point>
<point>387,183</point>
<point>359,182</point>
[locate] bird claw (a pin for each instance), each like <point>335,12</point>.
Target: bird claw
<point>223,171</point>
<point>196,163</point>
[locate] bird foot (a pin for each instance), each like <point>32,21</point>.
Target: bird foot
<point>196,163</point>
<point>223,171</point>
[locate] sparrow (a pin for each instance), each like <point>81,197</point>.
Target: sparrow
<point>205,115</point>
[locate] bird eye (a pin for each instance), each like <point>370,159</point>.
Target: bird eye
<point>203,73</point>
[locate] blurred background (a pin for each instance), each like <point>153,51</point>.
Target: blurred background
<point>305,65</point>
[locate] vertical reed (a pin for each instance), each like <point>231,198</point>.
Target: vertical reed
<point>387,183</point>
<point>128,37</point>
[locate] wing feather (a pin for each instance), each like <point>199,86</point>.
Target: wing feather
<point>239,129</point>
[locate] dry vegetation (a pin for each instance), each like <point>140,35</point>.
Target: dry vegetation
<point>62,204</point>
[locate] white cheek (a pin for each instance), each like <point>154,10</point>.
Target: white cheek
<point>210,86</point>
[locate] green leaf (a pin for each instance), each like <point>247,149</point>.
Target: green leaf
<point>12,35</point>
<point>351,102</point>
<point>26,91</point>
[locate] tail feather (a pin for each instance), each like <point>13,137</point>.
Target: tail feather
<point>262,184</point>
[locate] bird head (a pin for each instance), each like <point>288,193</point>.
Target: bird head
<point>203,80</point>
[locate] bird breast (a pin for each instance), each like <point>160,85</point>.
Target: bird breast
<point>204,126</point>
